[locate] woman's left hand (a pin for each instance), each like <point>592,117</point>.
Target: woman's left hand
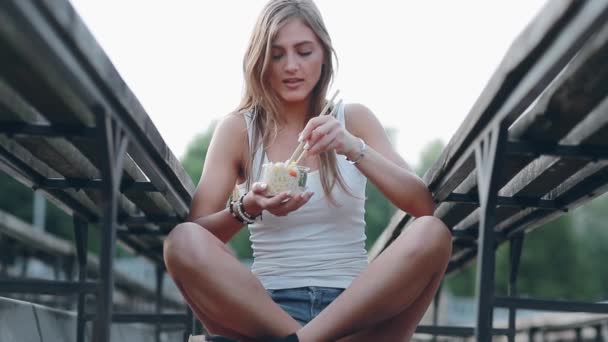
<point>325,133</point>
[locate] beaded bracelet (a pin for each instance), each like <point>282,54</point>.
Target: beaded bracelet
<point>246,215</point>
<point>233,212</point>
<point>240,214</point>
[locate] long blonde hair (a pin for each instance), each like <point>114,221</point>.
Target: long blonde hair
<point>262,102</point>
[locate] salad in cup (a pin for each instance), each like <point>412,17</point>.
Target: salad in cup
<point>283,176</point>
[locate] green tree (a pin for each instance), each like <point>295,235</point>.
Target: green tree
<point>430,153</point>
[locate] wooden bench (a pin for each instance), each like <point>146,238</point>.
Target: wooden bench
<point>70,126</point>
<point>28,241</point>
<point>570,327</point>
<point>532,147</point>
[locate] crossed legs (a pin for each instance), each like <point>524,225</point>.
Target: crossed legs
<point>386,300</point>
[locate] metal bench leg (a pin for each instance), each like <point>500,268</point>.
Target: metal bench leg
<point>488,160</point>
<point>113,146</point>
<point>532,334</point>
<point>598,333</point>
<point>160,272</point>
<point>190,319</point>
<point>578,332</point>
<point>436,310</point>
<point>515,251</point>
<point>81,234</point>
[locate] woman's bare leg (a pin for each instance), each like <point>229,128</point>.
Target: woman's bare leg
<point>399,279</point>
<point>224,294</point>
<point>402,326</point>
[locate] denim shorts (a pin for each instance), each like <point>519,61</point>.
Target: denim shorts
<point>304,303</point>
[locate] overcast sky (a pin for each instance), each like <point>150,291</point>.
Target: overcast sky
<point>418,65</point>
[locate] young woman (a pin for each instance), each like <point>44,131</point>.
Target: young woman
<point>310,280</point>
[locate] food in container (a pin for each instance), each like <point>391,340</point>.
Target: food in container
<point>281,177</point>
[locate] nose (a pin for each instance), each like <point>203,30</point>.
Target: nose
<point>291,63</point>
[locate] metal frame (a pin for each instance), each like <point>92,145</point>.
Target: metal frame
<point>488,159</point>
<point>113,147</point>
<point>114,142</point>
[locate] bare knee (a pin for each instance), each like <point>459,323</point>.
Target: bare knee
<point>183,242</point>
<point>433,240</point>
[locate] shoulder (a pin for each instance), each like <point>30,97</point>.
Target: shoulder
<point>230,135</point>
<point>358,118</point>
<point>233,124</point>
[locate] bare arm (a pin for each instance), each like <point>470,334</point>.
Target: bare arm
<point>384,167</point>
<point>381,164</point>
<point>219,176</point>
<point>225,157</point>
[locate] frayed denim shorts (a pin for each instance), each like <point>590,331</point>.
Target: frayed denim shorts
<point>304,303</point>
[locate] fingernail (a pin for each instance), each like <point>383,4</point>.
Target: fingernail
<point>306,146</point>
<point>303,195</point>
<point>288,193</point>
<point>263,186</point>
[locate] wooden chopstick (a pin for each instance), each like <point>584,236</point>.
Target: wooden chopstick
<point>332,112</point>
<point>300,147</point>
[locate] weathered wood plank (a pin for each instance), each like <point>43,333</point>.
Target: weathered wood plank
<point>74,200</point>
<point>563,44</point>
<point>66,77</point>
<point>566,102</point>
<point>587,68</point>
<point>54,246</point>
<point>527,49</point>
<point>72,26</point>
<point>545,174</point>
<point>69,160</point>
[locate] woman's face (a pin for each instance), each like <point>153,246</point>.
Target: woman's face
<point>296,61</point>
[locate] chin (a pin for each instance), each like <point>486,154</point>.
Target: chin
<point>295,96</point>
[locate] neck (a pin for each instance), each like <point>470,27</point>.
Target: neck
<point>295,114</point>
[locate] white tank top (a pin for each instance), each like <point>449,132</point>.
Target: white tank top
<point>318,244</point>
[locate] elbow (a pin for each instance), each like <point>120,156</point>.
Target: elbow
<point>420,203</point>
<point>425,208</point>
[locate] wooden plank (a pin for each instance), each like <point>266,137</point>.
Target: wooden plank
<point>579,189</point>
<point>567,100</point>
<point>388,234</point>
<point>527,49</point>
<point>66,79</point>
<point>54,246</point>
<point>37,170</point>
<point>560,107</point>
<point>26,234</point>
<point>63,14</point>
<point>547,173</point>
<point>67,159</point>
<point>532,85</point>
<point>562,47</point>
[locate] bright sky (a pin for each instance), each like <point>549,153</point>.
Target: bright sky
<point>418,65</point>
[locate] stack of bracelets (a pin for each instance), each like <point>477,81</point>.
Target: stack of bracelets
<point>238,211</point>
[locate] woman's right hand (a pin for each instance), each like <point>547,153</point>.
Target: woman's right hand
<point>281,204</point>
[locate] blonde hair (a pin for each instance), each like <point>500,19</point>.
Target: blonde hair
<point>262,102</point>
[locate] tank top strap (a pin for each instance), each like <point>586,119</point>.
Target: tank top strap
<point>259,152</point>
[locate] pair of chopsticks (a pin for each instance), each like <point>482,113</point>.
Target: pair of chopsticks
<point>299,152</point>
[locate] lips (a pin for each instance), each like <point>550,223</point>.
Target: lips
<point>293,82</point>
